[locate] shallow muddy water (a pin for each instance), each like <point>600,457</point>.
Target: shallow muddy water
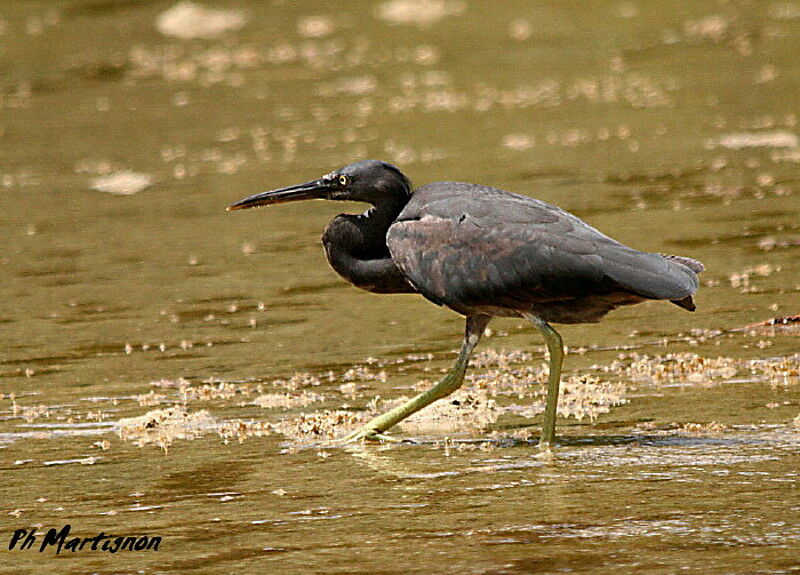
<point>128,291</point>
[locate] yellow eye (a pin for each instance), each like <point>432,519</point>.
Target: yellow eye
<point>342,180</point>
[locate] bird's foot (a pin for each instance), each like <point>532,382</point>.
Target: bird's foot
<point>367,433</point>
<point>546,451</point>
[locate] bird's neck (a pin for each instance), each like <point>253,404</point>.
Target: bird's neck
<point>356,248</point>
<point>376,220</point>
<point>362,236</point>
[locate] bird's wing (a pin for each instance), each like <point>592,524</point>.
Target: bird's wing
<point>463,245</point>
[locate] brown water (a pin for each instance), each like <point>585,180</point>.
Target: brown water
<point>670,126</point>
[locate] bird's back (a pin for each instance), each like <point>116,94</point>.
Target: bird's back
<point>477,249</point>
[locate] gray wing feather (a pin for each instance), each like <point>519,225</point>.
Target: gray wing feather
<point>464,245</point>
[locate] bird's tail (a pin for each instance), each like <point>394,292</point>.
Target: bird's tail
<point>694,265</point>
<point>686,303</point>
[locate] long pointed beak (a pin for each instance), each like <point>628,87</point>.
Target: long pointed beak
<point>310,190</point>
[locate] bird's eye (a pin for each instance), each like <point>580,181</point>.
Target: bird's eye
<point>342,180</point>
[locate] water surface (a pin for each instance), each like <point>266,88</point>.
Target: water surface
<point>672,127</point>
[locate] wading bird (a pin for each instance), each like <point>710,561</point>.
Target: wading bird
<point>481,252</point>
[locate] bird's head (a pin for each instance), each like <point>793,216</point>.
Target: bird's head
<point>370,181</point>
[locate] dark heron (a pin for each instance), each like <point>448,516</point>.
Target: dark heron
<point>481,252</point>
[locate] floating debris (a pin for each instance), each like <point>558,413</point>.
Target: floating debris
<point>209,390</point>
<point>769,243</point>
<point>588,396</point>
<point>505,383</point>
<point>317,26</point>
<point>163,426</point>
<point>581,396</point>
<point>778,371</point>
<point>711,27</point>
<point>518,382</point>
<point>502,359</point>
<point>241,430</point>
<point>520,29</point>
<point>349,389</point>
<point>165,383</point>
<point>674,368</point>
<point>463,412</point>
<point>150,399</point>
<point>91,460</point>
<point>789,322</point>
<point>297,381</point>
<point>691,368</point>
<point>420,13</point>
<point>518,142</point>
<point>187,20</point>
<point>363,373</point>
<point>774,139</point>
<point>741,280</point>
<point>712,428</point>
<point>30,412</point>
<point>690,428</point>
<point>327,425</point>
<point>351,85</point>
<point>212,391</point>
<point>287,400</point>
<point>122,183</point>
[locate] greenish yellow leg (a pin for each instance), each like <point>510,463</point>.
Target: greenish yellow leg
<point>555,348</point>
<point>447,385</point>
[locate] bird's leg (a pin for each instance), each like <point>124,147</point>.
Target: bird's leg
<point>555,348</point>
<point>447,385</point>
